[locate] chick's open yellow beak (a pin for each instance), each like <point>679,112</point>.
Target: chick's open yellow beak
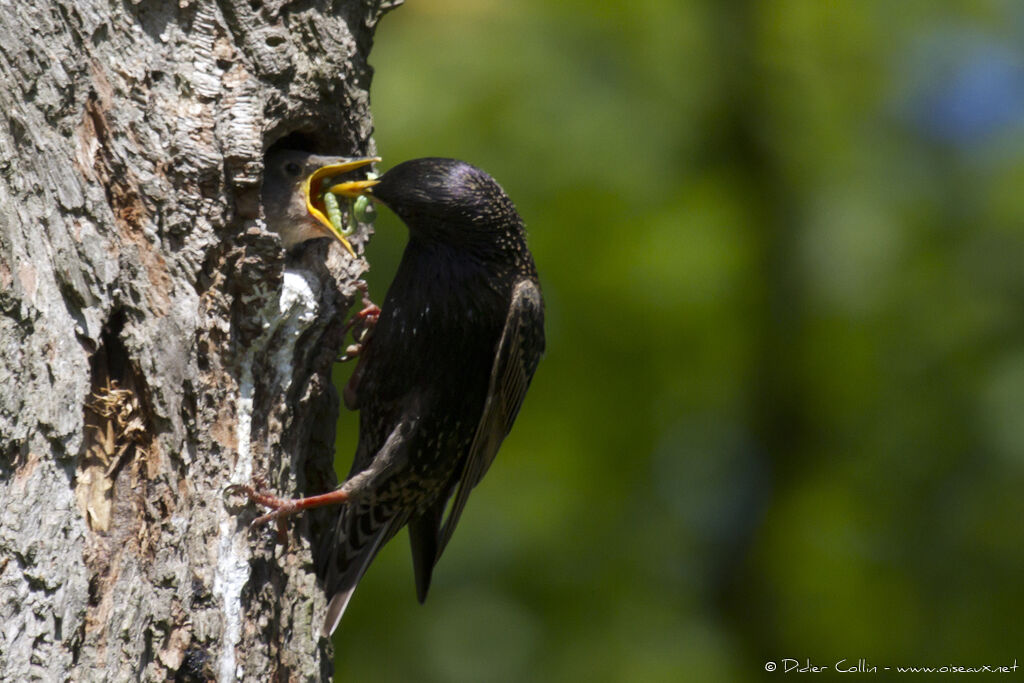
<point>313,191</point>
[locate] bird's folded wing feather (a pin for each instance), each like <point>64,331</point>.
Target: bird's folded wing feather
<point>519,350</point>
<point>364,524</point>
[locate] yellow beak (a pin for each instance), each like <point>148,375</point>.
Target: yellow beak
<point>312,190</point>
<point>353,188</point>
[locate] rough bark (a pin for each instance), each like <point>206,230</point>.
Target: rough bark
<point>156,343</point>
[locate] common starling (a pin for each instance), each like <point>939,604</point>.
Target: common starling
<point>291,189</point>
<point>443,374</point>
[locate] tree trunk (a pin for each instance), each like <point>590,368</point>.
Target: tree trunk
<point>157,343</point>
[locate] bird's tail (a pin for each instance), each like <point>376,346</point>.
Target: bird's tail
<point>361,531</point>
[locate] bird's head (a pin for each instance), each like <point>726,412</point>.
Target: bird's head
<point>446,201</point>
<point>292,193</point>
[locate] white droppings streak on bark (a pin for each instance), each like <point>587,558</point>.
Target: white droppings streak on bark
<point>284,322</point>
<point>232,547</point>
<point>298,310</point>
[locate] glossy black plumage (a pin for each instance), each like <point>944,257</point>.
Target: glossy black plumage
<point>441,379</point>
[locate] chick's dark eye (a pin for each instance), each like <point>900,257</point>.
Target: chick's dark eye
<point>292,168</point>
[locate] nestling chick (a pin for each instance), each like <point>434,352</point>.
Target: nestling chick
<point>290,203</point>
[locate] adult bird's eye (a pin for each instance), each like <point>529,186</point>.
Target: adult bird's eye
<point>292,168</point>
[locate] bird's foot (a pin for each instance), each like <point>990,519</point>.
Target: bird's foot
<point>258,493</point>
<point>281,508</point>
<point>261,495</point>
<point>361,324</point>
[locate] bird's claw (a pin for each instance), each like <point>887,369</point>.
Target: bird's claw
<point>361,324</point>
<point>280,508</point>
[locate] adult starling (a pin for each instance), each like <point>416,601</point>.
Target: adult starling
<point>443,374</point>
<point>291,188</point>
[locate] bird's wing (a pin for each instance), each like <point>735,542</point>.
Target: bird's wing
<point>519,350</point>
<point>368,520</point>
<point>343,585</point>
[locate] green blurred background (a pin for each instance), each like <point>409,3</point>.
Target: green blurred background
<point>780,413</point>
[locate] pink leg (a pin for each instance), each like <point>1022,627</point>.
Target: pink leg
<point>282,508</point>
